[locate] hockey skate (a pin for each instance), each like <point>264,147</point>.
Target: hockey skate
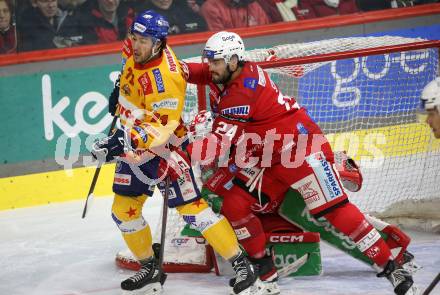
<point>268,275</point>
<point>268,283</point>
<point>246,281</point>
<point>148,280</point>
<point>267,287</point>
<point>400,278</point>
<point>409,264</point>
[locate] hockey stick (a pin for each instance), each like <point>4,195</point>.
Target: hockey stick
<point>164,222</point>
<point>89,198</point>
<point>432,285</point>
<point>293,267</point>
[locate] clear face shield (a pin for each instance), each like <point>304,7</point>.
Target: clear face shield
<point>207,55</point>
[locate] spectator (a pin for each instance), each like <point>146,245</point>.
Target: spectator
<point>8,42</point>
<point>195,5</point>
<point>70,5</point>
<point>45,26</point>
<point>419,2</point>
<point>180,15</point>
<point>104,21</point>
<point>369,5</point>
<point>308,9</point>
<point>20,6</point>
<point>271,9</point>
<point>228,14</point>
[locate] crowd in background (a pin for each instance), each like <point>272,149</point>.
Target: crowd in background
<point>43,24</point>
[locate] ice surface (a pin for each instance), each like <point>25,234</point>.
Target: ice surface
<point>50,250</point>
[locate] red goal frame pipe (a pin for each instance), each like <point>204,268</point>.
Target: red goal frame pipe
<point>348,54</point>
<point>201,92</point>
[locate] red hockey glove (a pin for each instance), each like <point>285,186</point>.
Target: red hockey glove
<point>175,165</point>
<point>349,171</point>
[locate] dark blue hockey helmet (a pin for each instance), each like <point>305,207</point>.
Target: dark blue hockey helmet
<point>150,24</point>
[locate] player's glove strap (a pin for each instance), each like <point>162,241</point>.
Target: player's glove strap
<point>110,147</point>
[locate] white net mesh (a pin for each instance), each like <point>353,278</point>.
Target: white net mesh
<point>367,106</point>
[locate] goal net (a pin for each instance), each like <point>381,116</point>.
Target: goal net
<point>364,93</point>
<point>365,100</point>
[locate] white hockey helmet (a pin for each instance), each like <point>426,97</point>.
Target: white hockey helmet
<point>430,98</point>
<point>224,45</point>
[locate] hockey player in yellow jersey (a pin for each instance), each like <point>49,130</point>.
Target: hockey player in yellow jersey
<point>149,99</point>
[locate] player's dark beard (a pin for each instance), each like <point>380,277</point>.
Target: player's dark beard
<point>226,77</point>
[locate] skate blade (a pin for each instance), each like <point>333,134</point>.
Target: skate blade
<point>412,267</point>
<point>270,288</point>
<point>256,289</point>
<point>150,289</point>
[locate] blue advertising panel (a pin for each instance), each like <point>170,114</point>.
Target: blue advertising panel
<point>372,86</point>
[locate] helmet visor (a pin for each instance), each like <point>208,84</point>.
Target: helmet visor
<point>208,54</point>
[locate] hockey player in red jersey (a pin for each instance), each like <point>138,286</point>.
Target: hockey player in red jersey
<point>271,144</point>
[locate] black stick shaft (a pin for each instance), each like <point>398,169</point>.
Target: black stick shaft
<point>95,176</point>
<point>432,285</point>
<point>164,221</point>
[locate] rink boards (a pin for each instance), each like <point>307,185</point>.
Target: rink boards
<point>371,147</point>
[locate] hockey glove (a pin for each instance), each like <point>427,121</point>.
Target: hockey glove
<point>113,98</point>
<point>177,164</point>
<point>201,126</point>
<point>110,147</point>
<point>349,172</point>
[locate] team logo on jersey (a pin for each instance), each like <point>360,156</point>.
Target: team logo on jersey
<point>228,185</point>
<point>213,182</point>
<point>242,233</point>
<point>250,83</point>
<point>118,167</point>
<point>159,81</point>
<point>309,189</point>
<point>261,78</point>
<point>169,104</point>
<point>325,175</point>
<point>233,168</point>
<point>126,90</point>
<point>170,60</point>
<point>126,48</point>
<point>185,69</point>
<point>237,111</point>
<point>180,242</point>
<point>122,179</point>
<point>145,82</point>
<point>190,219</point>
<point>308,192</point>
<point>141,133</point>
<point>301,129</point>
